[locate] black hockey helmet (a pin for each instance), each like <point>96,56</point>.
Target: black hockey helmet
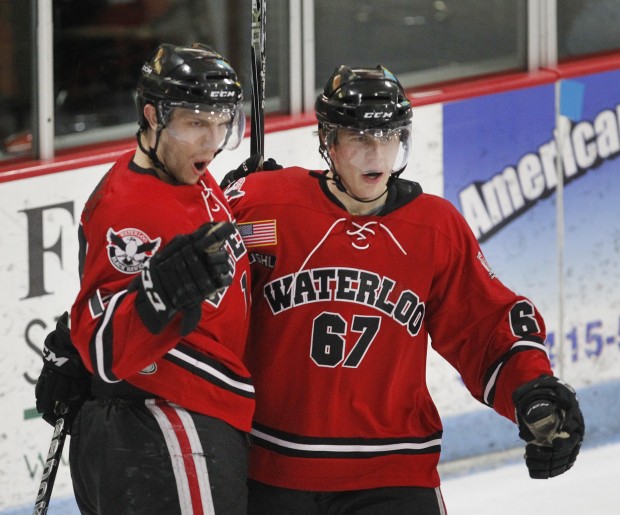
<point>363,98</point>
<point>194,77</point>
<point>369,100</point>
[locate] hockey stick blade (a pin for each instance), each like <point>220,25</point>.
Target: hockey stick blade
<point>257,135</point>
<point>50,469</point>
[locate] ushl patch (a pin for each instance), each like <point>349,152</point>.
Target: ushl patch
<point>258,234</point>
<point>129,249</point>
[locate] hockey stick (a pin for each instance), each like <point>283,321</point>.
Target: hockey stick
<point>51,465</point>
<point>257,134</point>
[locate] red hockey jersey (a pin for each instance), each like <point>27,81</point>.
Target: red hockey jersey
<point>342,310</point>
<point>130,216</point>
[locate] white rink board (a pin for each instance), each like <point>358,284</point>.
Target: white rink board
<point>24,322</point>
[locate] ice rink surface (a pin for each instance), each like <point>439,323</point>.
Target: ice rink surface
<point>589,488</point>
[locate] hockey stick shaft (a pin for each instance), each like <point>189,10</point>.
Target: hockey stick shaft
<point>50,468</point>
<point>257,134</point>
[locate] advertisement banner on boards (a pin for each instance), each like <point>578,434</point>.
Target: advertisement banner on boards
<point>501,169</point>
<point>39,277</point>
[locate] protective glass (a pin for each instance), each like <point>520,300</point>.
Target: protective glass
<point>204,124</point>
<point>385,149</point>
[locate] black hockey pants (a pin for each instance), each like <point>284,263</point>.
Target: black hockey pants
<point>269,500</point>
<point>153,457</point>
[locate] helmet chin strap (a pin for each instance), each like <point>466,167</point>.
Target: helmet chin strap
<point>337,180</point>
<point>152,153</point>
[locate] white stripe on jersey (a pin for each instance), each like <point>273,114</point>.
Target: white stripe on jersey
<point>99,337</point>
<point>210,370</point>
<point>523,343</point>
<point>345,448</point>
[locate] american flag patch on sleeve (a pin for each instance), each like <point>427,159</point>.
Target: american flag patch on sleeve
<point>258,234</point>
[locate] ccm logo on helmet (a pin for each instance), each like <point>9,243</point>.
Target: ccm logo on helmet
<point>222,94</point>
<point>378,114</point>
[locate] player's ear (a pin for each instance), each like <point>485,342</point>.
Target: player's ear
<point>150,114</point>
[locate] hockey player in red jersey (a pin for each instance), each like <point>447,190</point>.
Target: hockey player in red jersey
<point>353,269</point>
<point>162,315</point>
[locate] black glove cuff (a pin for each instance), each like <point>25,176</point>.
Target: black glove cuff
<point>153,319</point>
<point>551,422</point>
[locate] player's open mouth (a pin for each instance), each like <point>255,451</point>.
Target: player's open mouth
<point>373,174</point>
<point>200,166</point>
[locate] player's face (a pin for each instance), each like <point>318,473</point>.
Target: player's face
<point>365,159</point>
<point>190,141</point>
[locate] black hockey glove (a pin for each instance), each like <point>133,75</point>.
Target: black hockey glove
<point>191,268</point>
<point>64,382</point>
<point>250,165</point>
<point>551,423</point>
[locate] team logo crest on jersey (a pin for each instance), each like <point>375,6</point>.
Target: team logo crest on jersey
<point>129,249</point>
<point>234,190</point>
